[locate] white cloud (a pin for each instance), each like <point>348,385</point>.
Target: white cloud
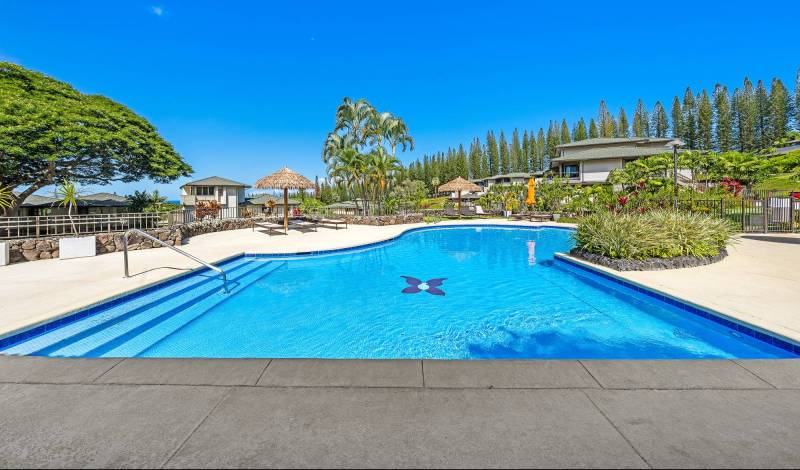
<point>158,11</point>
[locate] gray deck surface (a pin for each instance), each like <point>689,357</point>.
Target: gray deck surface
<point>313,413</point>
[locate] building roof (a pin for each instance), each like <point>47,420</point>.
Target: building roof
<point>215,181</point>
<point>602,153</point>
<point>90,200</point>
<point>613,140</point>
<point>508,175</point>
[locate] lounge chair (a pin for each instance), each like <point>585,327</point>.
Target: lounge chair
<point>303,225</point>
<point>270,226</point>
<point>335,222</point>
<point>450,212</point>
<point>467,212</point>
<point>479,210</point>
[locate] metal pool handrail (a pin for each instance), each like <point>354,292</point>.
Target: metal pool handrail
<point>177,250</point>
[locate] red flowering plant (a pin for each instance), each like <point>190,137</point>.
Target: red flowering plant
<point>731,185</point>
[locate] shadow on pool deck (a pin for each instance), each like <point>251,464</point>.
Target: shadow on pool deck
<point>405,413</point>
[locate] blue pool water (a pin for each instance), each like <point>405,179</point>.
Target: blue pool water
<point>444,293</point>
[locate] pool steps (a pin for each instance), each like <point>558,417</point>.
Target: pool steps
<point>125,332</point>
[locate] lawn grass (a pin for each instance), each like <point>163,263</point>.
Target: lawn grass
<point>779,183</point>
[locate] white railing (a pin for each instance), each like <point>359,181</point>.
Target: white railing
<point>59,225</point>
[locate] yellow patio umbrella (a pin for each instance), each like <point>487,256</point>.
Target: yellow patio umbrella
<point>531,199</point>
<point>284,179</point>
<point>457,185</point>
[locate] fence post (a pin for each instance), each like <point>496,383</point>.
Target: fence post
<point>765,211</point>
<point>742,215</point>
<point>37,227</point>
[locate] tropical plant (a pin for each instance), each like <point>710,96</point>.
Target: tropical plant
<point>653,234</point>
<point>207,209</point>
<point>51,132</point>
<point>356,155</point>
<point>6,198</point>
<point>68,197</point>
<point>552,194</point>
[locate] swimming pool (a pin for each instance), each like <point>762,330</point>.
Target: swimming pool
<point>458,292</point>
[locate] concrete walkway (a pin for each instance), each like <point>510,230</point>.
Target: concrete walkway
<point>309,413</point>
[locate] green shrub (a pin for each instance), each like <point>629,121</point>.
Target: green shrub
<point>654,234</point>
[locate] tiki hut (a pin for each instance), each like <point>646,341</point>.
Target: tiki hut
<point>457,185</point>
<point>285,179</point>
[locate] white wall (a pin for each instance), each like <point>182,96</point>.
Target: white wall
<point>596,171</point>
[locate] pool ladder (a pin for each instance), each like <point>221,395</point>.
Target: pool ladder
<point>177,250</point>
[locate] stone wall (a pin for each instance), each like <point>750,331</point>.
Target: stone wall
<point>381,220</point>
<point>47,247</point>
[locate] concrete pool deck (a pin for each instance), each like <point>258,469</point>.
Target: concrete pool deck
<point>757,283</point>
<point>172,413</point>
<point>310,413</point>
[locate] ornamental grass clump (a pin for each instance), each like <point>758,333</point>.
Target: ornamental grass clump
<point>654,234</point>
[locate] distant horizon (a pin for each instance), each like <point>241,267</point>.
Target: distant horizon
<point>243,90</point>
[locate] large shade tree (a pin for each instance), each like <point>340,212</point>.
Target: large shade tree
<point>50,132</point>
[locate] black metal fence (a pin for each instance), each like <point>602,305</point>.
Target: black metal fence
<point>755,211</point>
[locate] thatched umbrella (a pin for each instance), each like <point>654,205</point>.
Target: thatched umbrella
<point>284,179</point>
<point>457,185</point>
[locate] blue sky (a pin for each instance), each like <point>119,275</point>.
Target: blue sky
<point>242,88</point>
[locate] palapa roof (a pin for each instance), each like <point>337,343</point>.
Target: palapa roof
<point>459,184</point>
<point>284,179</point>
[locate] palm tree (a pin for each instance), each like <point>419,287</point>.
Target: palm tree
<point>354,118</point>
<point>349,167</point>
<point>6,199</point>
<point>381,169</point>
<point>157,201</point>
<point>398,135</point>
<point>69,196</point>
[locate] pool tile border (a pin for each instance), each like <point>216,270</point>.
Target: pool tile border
<point>736,325</point>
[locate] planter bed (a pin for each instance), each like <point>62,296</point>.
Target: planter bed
<point>651,264</point>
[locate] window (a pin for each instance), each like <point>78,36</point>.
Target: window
<point>571,171</point>
<point>204,190</point>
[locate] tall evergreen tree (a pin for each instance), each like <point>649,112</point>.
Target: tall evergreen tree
<point>689,119</point>
<point>797,101</point>
<point>505,161</point>
<point>462,166</point>
<point>660,124</point>
<point>780,105</point>
<point>526,151</point>
<point>565,137</point>
<point>541,149</point>
<point>745,117</point>
<point>641,120</point>
<point>606,121</point>
<point>580,132</point>
<point>594,132</point>
<point>705,117</point>
<point>623,128</point>
<point>518,162</point>
<point>493,153</point>
<point>553,141</point>
<point>475,159</point>
<point>762,108</point>
<point>723,131</point>
<point>677,118</point>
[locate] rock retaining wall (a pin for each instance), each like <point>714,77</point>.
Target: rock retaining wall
<point>381,220</point>
<point>46,248</point>
<point>652,264</point>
